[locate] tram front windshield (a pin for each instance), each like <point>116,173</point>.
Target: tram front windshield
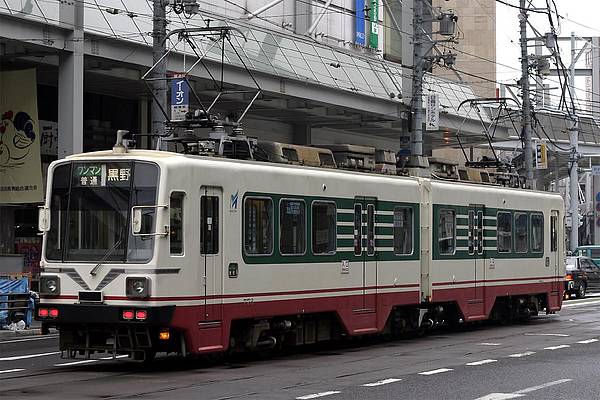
<point>90,209</point>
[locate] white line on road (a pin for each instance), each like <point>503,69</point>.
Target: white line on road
<point>382,382</point>
<point>435,371</point>
<point>580,304</point>
<point>317,395</point>
<point>29,356</point>
<point>67,364</point>
<point>588,341</point>
<point>543,386</point>
<point>547,334</point>
<point>489,344</point>
<point>562,346</point>
<point>521,393</point>
<point>482,362</point>
<point>6,371</point>
<point>75,363</point>
<point>500,396</point>
<point>519,355</point>
<point>30,339</point>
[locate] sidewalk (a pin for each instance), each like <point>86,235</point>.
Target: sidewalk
<point>34,329</point>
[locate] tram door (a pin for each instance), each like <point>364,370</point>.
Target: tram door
<point>365,247</point>
<point>555,258</point>
<point>476,251</point>
<point>211,251</point>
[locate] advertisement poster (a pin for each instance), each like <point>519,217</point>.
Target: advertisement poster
<point>20,164</point>
<point>374,23</point>
<point>360,23</point>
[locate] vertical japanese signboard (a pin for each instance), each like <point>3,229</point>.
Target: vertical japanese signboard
<point>374,24</point>
<point>541,154</point>
<point>432,112</point>
<point>360,23</point>
<point>20,163</point>
<point>180,98</point>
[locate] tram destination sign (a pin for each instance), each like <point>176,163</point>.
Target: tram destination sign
<point>100,175</point>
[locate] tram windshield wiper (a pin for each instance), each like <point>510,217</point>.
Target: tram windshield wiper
<point>108,254</point>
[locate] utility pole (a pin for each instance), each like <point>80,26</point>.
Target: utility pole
<point>417,81</point>
<point>159,84</point>
<point>574,156</point>
<point>423,43</point>
<point>526,113</point>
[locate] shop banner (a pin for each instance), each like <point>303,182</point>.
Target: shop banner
<point>20,164</point>
<point>360,23</point>
<point>374,24</point>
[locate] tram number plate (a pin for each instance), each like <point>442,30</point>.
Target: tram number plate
<point>90,297</point>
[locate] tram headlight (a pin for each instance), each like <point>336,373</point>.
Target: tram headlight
<point>50,285</point>
<point>137,287</point>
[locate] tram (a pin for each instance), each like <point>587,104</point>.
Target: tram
<point>155,251</point>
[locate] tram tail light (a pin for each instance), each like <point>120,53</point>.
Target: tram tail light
<point>54,312</point>
<point>141,315</point>
<point>43,313</point>
<point>164,334</point>
<point>127,315</point>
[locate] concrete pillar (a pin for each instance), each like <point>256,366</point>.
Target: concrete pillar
<point>303,12</point>
<point>302,134</point>
<point>70,81</point>
<point>596,77</point>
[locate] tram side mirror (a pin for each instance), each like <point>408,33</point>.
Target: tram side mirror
<point>143,221</point>
<point>136,220</point>
<point>43,219</point>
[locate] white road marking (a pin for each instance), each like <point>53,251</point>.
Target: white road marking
<point>317,395</point>
<point>482,362</point>
<point>30,339</point>
<point>562,346</point>
<point>489,344</point>
<point>521,393</point>
<point>547,334</point>
<point>581,304</point>
<point>500,396</point>
<point>382,382</point>
<point>588,341</point>
<point>88,361</point>
<point>6,371</point>
<point>519,355</point>
<point>75,363</point>
<point>543,386</point>
<point>29,356</point>
<point>435,371</point>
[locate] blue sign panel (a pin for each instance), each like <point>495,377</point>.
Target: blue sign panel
<point>360,23</point>
<point>180,92</point>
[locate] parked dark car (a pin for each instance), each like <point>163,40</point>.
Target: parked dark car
<point>583,275</point>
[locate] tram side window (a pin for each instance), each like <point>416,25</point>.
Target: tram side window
<point>209,225</point>
<point>521,237</point>
<point>324,228</point>
<point>258,226</point>
<point>504,232</point>
<point>447,232</point>
<point>403,230</point>
<point>176,222</point>
<point>292,227</point>
<point>537,233</point>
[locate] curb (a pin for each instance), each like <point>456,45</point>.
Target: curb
<point>5,334</point>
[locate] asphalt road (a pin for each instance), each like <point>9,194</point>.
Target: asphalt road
<point>550,357</point>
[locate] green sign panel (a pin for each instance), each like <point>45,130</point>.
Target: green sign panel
<point>374,23</point>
